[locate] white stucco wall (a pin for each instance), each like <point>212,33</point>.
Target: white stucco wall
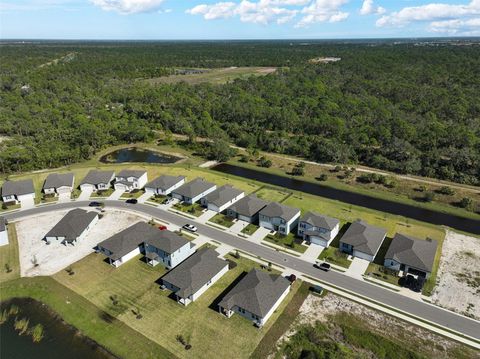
<point>362,255</point>
<point>165,192</point>
<point>4,237</point>
<point>275,306</point>
<point>26,196</point>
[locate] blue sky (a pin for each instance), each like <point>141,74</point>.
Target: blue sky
<point>237,19</point>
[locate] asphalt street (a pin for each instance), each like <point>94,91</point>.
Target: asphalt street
<point>421,310</point>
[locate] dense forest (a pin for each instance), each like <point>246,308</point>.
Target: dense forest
<point>401,106</point>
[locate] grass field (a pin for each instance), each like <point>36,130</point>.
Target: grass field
<point>287,242</point>
<point>192,209</point>
<point>272,194</point>
<point>133,285</point>
<point>222,220</point>
<point>334,256</point>
<point>250,229</point>
<point>214,76</point>
<point>9,260</point>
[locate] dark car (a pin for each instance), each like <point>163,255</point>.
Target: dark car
<point>132,201</point>
<point>95,204</point>
<point>323,266</point>
<point>292,278</point>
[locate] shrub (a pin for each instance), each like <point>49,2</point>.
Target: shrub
<point>467,203</point>
<point>244,158</point>
<point>429,196</point>
<point>298,171</point>
<point>8,269</point>
<point>448,191</point>
<point>37,333</point>
<point>322,177</point>
<point>264,162</point>
<point>21,325</point>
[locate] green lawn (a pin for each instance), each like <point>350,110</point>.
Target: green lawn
<point>271,194</point>
<point>5,208</point>
<point>133,285</point>
<point>287,241</point>
<point>157,198</point>
<point>105,193</point>
<point>222,220</point>
<point>192,209</point>
<point>249,229</point>
<point>335,256</point>
<point>182,233</point>
<point>9,260</point>
<point>133,194</point>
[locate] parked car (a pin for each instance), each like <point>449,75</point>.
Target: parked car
<point>190,227</point>
<point>323,266</point>
<point>292,278</point>
<point>132,201</point>
<point>95,204</point>
<point>168,200</point>
<point>162,228</point>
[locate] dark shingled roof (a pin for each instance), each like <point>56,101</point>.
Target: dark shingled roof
<point>223,195</point>
<point>72,224</point>
<point>257,292</point>
<point>164,182</point>
<point>131,173</point>
<point>364,237</point>
<point>195,271</point>
<point>413,252</point>
<point>194,188</point>
<point>17,188</point>
<point>248,206</point>
<point>55,180</point>
<point>3,224</point>
<point>96,177</point>
<point>130,238</point>
<point>321,221</point>
<point>275,209</point>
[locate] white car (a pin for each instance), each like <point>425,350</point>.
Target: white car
<point>190,227</point>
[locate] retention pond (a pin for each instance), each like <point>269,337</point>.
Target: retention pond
<point>134,154</point>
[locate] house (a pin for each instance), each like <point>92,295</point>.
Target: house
<point>192,191</point>
<point>221,198</point>
<point>247,208</point>
<point>362,240</point>
<point>97,180</point>
<point>167,248</point>
<point>411,255</point>
<point>18,191</point>
<point>3,232</point>
<point>164,185</point>
<point>191,278</point>
<point>129,180</point>
<point>73,227</point>
<point>318,229</point>
<point>280,218</point>
<point>158,246</point>
<point>57,183</point>
<point>255,297</point>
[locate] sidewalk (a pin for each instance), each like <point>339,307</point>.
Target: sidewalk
<point>116,195</point>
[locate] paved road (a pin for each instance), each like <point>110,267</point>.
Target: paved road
<point>419,309</point>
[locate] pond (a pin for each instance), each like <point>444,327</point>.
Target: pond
<point>135,154</point>
<point>421,214</point>
<point>59,341</point>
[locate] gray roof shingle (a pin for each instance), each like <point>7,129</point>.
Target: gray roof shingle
<point>275,209</point>
<point>248,206</point>
<point>194,188</point>
<point>72,224</point>
<point>131,173</point>
<point>166,241</point>
<point>195,271</point>
<point>55,180</point>
<point>321,221</point>
<point>17,188</point>
<point>96,177</point>
<point>3,224</point>
<point>164,182</point>
<point>223,195</point>
<point>413,252</point>
<point>257,292</point>
<point>364,237</point>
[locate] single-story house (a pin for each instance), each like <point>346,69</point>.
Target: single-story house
<point>57,183</point>
<point>73,227</point>
<point>256,296</point>
<point>411,255</point>
<point>17,191</point>
<point>164,185</point>
<point>247,208</point>
<point>167,248</point>
<point>158,246</point>
<point>97,180</point>
<point>194,190</point>
<point>362,240</point>
<point>222,198</point>
<point>318,229</point>
<point>278,217</point>
<point>191,278</point>
<point>129,180</point>
<point>3,232</point>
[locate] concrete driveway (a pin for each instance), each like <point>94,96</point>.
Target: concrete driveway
<point>27,203</point>
<point>238,226</point>
<point>206,216</point>
<point>116,194</point>
<point>144,197</point>
<point>64,197</point>
<point>85,195</point>
<point>259,234</point>
<point>312,253</point>
<point>357,267</point>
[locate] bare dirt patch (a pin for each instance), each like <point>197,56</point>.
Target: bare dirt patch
<point>38,258</point>
<point>458,283</point>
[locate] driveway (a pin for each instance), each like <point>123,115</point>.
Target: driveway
<point>116,194</point>
<point>144,197</point>
<point>64,197</point>
<point>312,253</point>
<point>259,234</point>
<point>27,203</point>
<point>357,267</point>
<point>206,216</point>
<point>238,226</point>
<point>85,195</point>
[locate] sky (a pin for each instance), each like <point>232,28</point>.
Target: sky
<point>237,19</point>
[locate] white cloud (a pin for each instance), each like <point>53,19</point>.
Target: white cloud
<point>430,12</point>
<point>268,11</point>
<point>369,8</point>
<point>128,6</point>
<point>453,27</point>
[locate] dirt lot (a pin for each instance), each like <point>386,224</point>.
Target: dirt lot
<point>54,257</point>
<point>458,286</point>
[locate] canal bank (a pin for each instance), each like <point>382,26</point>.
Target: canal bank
<point>417,213</point>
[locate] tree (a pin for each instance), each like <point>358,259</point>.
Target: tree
<point>467,203</point>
